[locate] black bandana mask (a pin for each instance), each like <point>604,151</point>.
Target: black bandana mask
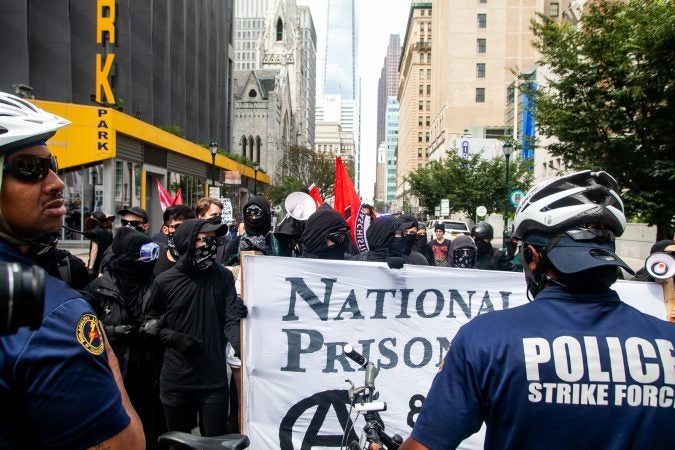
<point>464,258</point>
<point>204,257</point>
<point>171,245</point>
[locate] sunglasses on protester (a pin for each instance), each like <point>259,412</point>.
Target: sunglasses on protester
<point>31,168</point>
<point>149,252</point>
<point>253,211</point>
<point>131,223</point>
<point>339,236</point>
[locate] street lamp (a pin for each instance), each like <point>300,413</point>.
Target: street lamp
<point>213,147</point>
<point>94,179</point>
<point>507,148</point>
<point>256,166</point>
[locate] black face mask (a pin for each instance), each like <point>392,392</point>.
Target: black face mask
<point>484,248</point>
<point>171,245</point>
<point>464,258</point>
<point>398,246</point>
<point>215,220</point>
<point>205,256</point>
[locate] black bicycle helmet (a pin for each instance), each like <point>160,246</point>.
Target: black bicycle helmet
<point>482,231</point>
<point>577,199</point>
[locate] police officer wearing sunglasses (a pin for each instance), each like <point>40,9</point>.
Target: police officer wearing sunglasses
<point>60,384</point>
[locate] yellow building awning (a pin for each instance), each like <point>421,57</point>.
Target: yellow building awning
<point>92,138</point>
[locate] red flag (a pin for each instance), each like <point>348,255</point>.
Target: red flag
<point>178,199</point>
<point>348,203</point>
<point>315,194</point>
<point>165,199</point>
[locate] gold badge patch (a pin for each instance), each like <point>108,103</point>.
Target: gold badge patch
<point>88,334</point>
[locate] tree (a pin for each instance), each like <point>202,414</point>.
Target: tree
<point>300,167</point>
<point>468,183</point>
<point>610,100</point>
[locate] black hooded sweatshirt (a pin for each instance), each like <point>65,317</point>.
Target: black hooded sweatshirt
<point>197,303</point>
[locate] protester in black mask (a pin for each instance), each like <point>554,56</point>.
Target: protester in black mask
<point>173,217</point>
<point>119,294</point>
<point>195,308</point>
<point>421,244</point>
<point>58,262</point>
<point>404,240</point>
<point>488,257</point>
<point>326,235</point>
<point>463,252</point>
<point>257,237</point>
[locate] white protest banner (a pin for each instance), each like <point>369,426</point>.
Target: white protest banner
<point>302,312</point>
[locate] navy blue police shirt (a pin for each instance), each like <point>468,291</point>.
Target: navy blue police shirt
<point>56,388</point>
<point>562,372</point>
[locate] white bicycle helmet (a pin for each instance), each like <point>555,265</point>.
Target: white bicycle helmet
<point>577,199</point>
<point>22,123</point>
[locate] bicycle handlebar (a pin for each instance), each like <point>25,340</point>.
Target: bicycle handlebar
<point>355,356</point>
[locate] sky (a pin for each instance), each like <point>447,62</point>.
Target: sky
<point>376,20</point>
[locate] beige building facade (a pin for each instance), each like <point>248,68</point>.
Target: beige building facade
<point>332,138</point>
<point>415,96</point>
<point>486,41</point>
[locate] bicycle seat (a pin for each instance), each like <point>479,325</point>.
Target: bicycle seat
<point>178,439</point>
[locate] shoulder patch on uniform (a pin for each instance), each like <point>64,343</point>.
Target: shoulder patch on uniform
<point>88,334</point>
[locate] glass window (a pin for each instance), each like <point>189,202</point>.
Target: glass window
<point>480,70</point>
<point>482,20</point>
<point>481,45</point>
<point>421,105</point>
<point>428,89</point>
<point>421,74</point>
<point>421,89</point>
<point>555,10</point>
<point>428,105</point>
<point>419,120</point>
<point>419,137</point>
<point>480,95</point>
<point>421,57</point>
<point>429,11</point>
<point>429,57</point>
<point>428,74</point>
<point>428,121</point>
<point>422,13</point>
<point>427,136</point>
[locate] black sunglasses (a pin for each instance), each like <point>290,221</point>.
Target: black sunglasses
<point>31,168</point>
<point>339,236</point>
<point>253,211</point>
<point>131,223</point>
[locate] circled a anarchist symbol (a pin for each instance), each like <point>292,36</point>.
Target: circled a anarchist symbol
<point>322,403</point>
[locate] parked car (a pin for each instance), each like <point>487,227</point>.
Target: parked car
<point>453,228</point>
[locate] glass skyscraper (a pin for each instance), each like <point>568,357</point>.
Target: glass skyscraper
<point>341,62</point>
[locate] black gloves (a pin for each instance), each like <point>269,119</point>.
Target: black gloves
<point>180,341</point>
<point>151,327</point>
<point>242,310</point>
<point>395,262</point>
<point>119,331</point>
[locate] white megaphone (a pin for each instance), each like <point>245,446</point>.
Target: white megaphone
<point>660,265</point>
<point>299,205</point>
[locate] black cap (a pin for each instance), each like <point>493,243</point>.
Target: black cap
<point>136,211</point>
<point>220,228</point>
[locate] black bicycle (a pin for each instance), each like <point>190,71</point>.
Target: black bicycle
<point>364,401</point>
<point>178,439</point>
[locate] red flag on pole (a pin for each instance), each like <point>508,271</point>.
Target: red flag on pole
<point>348,203</point>
<point>315,194</point>
<point>165,199</point>
<point>178,199</point>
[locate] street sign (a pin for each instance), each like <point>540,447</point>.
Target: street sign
<point>481,211</point>
<point>516,196</point>
<point>445,206</point>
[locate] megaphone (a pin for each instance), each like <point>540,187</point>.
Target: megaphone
<point>660,265</point>
<point>299,205</point>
